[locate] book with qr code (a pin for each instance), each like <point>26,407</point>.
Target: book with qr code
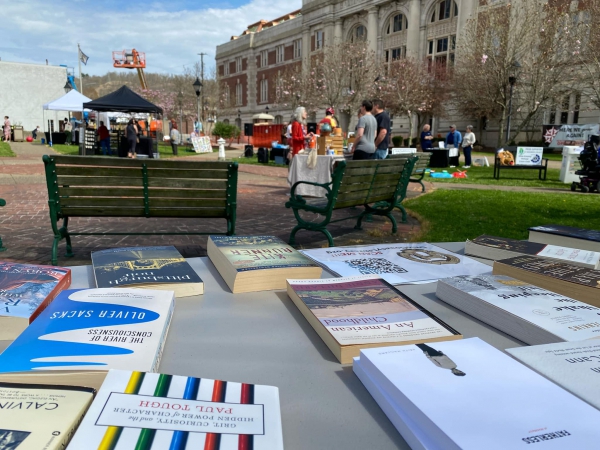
<point>354,313</point>
<point>258,263</point>
<point>396,263</point>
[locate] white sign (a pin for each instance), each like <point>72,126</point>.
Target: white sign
<point>403,151</point>
<point>202,144</point>
<point>561,135</point>
<point>529,156</point>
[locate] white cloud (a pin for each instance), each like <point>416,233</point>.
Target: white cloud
<point>36,30</point>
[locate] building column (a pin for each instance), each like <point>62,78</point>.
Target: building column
<point>337,31</point>
<point>414,27</point>
<point>372,28</point>
<point>251,81</point>
<point>306,49</point>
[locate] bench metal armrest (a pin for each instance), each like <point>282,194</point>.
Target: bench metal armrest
<point>297,201</point>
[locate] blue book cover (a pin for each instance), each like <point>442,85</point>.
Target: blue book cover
<point>94,330</point>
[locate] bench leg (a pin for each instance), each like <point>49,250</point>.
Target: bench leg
<point>328,235</point>
<point>65,233</point>
<point>292,239</point>
<point>55,250</point>
<point>2,247</point>
<point>394,224</point>
<point>422,185</point>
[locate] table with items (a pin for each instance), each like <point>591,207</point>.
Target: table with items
<point>321,173</point>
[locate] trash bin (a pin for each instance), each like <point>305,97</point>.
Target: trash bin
<point>570,164</point>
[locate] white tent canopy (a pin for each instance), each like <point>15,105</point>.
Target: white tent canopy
<point>72,101</point>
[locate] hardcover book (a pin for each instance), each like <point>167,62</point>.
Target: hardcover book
<point>258,263</point>
<point>529,313</point>
<point>468,395</point>
<point>396,263</point>
<point>566,279</point>
<point>150,411</point>
<point>573,365</point>
<point>40,417</point>
<point>491,247</point>
<point>353,313</point>
<point>25,290</point>
<point>85,332</point>
<point>160,268</point>
<point>566,236</point>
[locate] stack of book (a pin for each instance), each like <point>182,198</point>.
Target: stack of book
<point>566,236</point>
<point>468,395</point>
<point>526,312</point>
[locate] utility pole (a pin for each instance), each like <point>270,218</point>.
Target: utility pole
<point>202,79</point>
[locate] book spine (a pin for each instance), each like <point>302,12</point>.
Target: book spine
<point>60,286</point>
<point>213,440</point>
<point>146,437</point>
<point>179,439</point>
<point>246,441</point>
<point>163,338</point>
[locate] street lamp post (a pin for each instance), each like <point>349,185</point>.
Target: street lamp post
<point>198,89</point>
<point>512,79</point>
<point>68,87</point>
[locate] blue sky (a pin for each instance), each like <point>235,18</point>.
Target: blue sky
<point>171,33</point>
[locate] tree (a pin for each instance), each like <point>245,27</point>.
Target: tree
<point>528,42</point>
<point>295,87</point>
<point>586,51</point>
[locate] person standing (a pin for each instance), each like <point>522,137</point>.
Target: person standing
<point>6,129</point>
<point>454,139</point>
<point>35,132</point>
<point>68,131</point>
<point>364,145</point>
<point>298,130</point>
<point>382,141</point>
<point>131,136</point>
<point>426,138</point>
<point>104,137</point>
<point>467,145</point>
<point>174,138</point>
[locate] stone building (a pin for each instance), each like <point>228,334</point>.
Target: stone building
<point>249,63</point>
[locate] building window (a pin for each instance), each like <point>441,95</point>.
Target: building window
<point>264,90</point>
<point>564,114</point>
<point>441,50</point>
<point>319,38</point>
<point>553,114</point>
<point>279,53</point>
<point>238,94</point>
<point>446,9</point>
<point>442,45</point>
<point>298,48</point>
<point>430,48</point>
<point>398,53</point>
<point>226,95</point>
<point>226,68</point>
<point>397,23</point>
<point>359,34</point>
<point>264,58</point>
<point>238,64</point>
<point>576,108</point>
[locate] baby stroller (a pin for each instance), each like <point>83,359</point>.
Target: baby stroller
<point>589,174</point>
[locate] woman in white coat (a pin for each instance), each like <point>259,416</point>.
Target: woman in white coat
<point>467,145</point>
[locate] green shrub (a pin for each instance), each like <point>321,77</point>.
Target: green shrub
<point>397,141</point>
<point>225,130</point>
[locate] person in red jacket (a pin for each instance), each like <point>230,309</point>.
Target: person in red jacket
<point>298,130</point>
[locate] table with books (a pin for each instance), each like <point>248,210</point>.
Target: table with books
<point>271,338</point>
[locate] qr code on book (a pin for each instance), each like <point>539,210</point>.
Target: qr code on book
<point>374,266</point>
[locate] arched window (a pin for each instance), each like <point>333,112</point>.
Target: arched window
<point>359,34</point>
<point>397,23</point>
<point>226,121</point>
<point>238,123</point>
<point>278,119</point>
<point>445,9</point>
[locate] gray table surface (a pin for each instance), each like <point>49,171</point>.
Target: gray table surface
<point>262,338</point>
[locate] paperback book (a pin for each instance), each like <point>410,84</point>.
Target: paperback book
<point>352,313</point>
<point>468,395</point>
<point>396,263</point>
<point>529,313</point>
<point>25,290</point>
<point>258,263</point>
<point>151,411</point>
<point>566,236</point>
<point>40,417</point>
<point>491,247</point>
<point>573,365</point>
<point>161,268</point>
<point>577,282</point>
<point>83,333</point>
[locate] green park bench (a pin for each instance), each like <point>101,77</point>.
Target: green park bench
<point>378,185</point>
<point>95,186</point>
<point>2,247</point>
<point>419,169</point>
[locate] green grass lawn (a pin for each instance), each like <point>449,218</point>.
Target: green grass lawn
<point>5,149</point>
<point>457,215</point>
<point>517,177</point>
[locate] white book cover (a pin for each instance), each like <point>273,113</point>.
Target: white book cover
<point>573,365</point>
<point>94,329</point>
<point>466,394</point>
<point>564,317</point>
<point>149,411</point>
<point>396,263</point>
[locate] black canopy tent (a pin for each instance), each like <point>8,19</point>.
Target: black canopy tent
<point>126,101</point>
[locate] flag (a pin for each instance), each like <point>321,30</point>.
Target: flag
<point>83,57</point>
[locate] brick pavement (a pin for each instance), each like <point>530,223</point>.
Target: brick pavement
<point>262,192</point>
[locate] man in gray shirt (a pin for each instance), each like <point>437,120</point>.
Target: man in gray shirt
<point>364,145</point>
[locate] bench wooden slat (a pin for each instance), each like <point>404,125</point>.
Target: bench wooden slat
<point>194,174</point>
<point>80,211</point>
<point>98,181</point>
<point>187,183</point>
<point>93,202</point>
<point>139,192</point>
<point>137,163</point>
<point>134,172</point>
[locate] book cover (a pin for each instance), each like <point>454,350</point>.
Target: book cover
<point>123,267</point>
<point>396,263</point>
<point>94,329</point>
<point>26,289</point>
<point>558,271</point>
<point>40,417</point>
<point>148,411</point>
<point>573,232</point>
<point>247,253</point>
<point>467,394</point>
<point>573,365</point>
<point>565,318</point>
<point>367,310</point>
